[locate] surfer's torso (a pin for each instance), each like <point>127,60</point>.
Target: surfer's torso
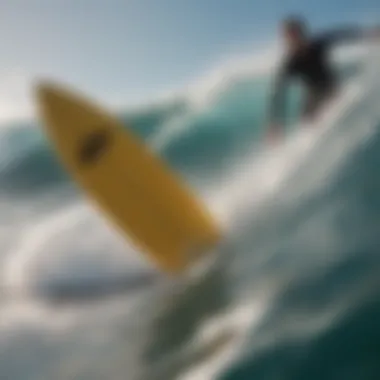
<point>311,65</point>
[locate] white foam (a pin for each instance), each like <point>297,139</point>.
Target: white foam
<point>65,245</point>
<point>29,243</point>
<point>14,96</point>
<point>223,338</point>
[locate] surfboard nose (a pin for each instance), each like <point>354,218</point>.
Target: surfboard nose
<point>48,98</point>
<point>44,91</point>
<point>57,102</point>
<point>49,95</point>
<point>61,101</point>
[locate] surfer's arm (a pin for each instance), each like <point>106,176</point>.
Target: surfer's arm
<point>349,34</point>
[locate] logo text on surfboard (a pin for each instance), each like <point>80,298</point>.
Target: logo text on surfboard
<point>94,146</point>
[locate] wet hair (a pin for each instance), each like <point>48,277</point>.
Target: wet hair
<point>295,24</point>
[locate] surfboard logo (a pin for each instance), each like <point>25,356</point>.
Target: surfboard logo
<point>94,146</point>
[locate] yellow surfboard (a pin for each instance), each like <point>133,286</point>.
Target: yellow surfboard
<point>132,186</point>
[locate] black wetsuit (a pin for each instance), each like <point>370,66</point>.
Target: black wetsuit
<point>311,65</point>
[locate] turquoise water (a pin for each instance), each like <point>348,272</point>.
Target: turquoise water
<point>294,291</point>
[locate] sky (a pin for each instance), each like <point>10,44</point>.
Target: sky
<point>123,51</point>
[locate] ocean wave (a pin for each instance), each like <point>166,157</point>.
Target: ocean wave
<point>300,220</point>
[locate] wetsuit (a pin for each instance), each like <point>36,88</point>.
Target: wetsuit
<point>311,65</point>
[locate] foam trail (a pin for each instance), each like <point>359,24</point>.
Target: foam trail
<point>32,240</point>
<point>63,246</point>
<point>223,338</point>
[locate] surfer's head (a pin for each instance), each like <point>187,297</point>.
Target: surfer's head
<point>294,32</point>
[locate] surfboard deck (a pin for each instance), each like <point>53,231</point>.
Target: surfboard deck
<point>150,205</point>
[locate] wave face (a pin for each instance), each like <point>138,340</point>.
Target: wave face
<point>294,293</point>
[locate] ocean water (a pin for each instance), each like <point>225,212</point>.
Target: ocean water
<point>294,291</point>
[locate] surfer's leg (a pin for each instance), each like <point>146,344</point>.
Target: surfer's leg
<point>316,100</point>
<point>310,106</point>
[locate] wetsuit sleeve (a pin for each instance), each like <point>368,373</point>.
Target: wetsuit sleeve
<point>343,35</point>
<point>277,99</point>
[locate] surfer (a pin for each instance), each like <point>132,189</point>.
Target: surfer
<point>307,59</point>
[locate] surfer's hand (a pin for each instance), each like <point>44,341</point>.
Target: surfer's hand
<point>274,134</point>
